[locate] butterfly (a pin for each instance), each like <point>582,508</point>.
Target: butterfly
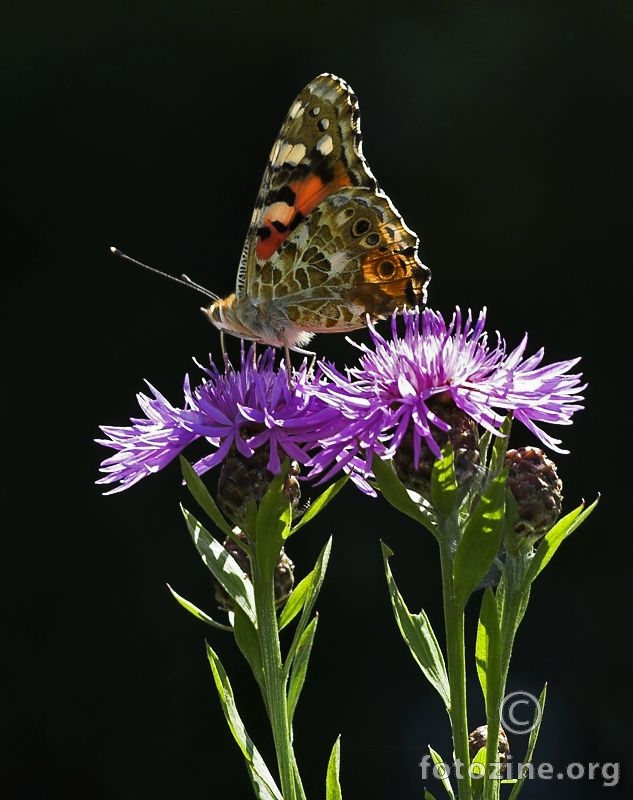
<point>325,246</point>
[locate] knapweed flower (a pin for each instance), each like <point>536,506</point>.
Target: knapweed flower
<point>393,392</point>
<point>239,410</point>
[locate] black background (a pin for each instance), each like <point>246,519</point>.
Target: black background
<point>502,133</point>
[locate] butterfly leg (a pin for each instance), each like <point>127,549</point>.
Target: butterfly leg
<point>287,360</point>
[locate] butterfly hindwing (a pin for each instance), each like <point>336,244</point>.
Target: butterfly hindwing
<point>353,256</point>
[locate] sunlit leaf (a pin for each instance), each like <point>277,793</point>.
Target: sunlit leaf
<point>262,780</point>
<point>417,632</point>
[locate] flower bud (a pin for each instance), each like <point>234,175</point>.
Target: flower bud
<point>479,738</point>
<point>463,437</point>
<point>243,480</point>
<point>283,579</point>
<point>537,489</point>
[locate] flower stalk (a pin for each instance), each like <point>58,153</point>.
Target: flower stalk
<point>456,667</point>
<point>275,683</point>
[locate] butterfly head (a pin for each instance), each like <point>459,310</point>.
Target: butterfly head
<point>222,314</point>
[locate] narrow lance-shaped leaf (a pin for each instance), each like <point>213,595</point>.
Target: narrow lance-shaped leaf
<point>317,505</point>
<point>538,718</point>
<point>296,600</point>
<point>481,540</point>
<point>332,784</point>
<point>496,462</point>
<point>248,642</point>
<point>300,666</point>
<point>477,771</point>
<point>201,495</point>
<point>554,538</point>
<point>417,632</point>
<point>197,613</point>
<point>273,525</point>
<point>223,566</point>
<point>487,644</point>
<point>312,592</point>
<point>260,775</point>
<point>395,492</point>
<point>442,772</point>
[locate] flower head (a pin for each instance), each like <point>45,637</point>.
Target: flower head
<point>241,409</point>
<point>390,394</point>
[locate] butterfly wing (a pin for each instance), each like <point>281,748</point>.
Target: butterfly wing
<point>318,151</point>
<point>351,257</point>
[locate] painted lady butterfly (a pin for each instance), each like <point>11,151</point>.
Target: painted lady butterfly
<point>325,246</point>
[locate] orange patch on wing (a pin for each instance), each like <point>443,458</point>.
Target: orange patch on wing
<point>309,192</point>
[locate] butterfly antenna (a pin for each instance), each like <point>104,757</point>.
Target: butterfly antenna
<point>184,280</point>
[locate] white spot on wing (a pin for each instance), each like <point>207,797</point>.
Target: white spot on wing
<point>325,145</point>
<point>274,153</point>
<point>282,153</point>
<point>296,110</point>
<point>296,155</point>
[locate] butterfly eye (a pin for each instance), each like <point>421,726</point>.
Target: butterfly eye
<point>360,226</point>
<point>386,269</point>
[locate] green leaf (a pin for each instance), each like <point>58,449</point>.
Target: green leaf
<point>444,483</point>
<point>538,718</point>
<point>487,644</point>
<point>481,540</point>
<point>332,784</point>
<point>260,775</point>
<point>189,606</point>
<point>477,771</point>
<point>223,567</point>
<point>496,462</point>
<point>248,642</point>
<point>300,666</point>
<point>320,503</point>
<point>417,632</point>
<point>396,493</point>
<point>442,772</point>
<point>313,587</point>
<point>201,495</point>
<point>428,795</point>
<point>274,517</point>
<point>296,600</point>
<point>554,538</point>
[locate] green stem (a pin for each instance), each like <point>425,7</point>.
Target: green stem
<point>513,606</point>
<point>275,683</point>
<point>456,665</point>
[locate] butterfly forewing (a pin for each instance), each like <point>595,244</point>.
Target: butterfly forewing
<point>317,152</point>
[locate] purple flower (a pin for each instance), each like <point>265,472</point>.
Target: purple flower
<point>389,392</point>
<point>245,409</point>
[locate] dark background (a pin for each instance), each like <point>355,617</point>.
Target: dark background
<point>502,133</point>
